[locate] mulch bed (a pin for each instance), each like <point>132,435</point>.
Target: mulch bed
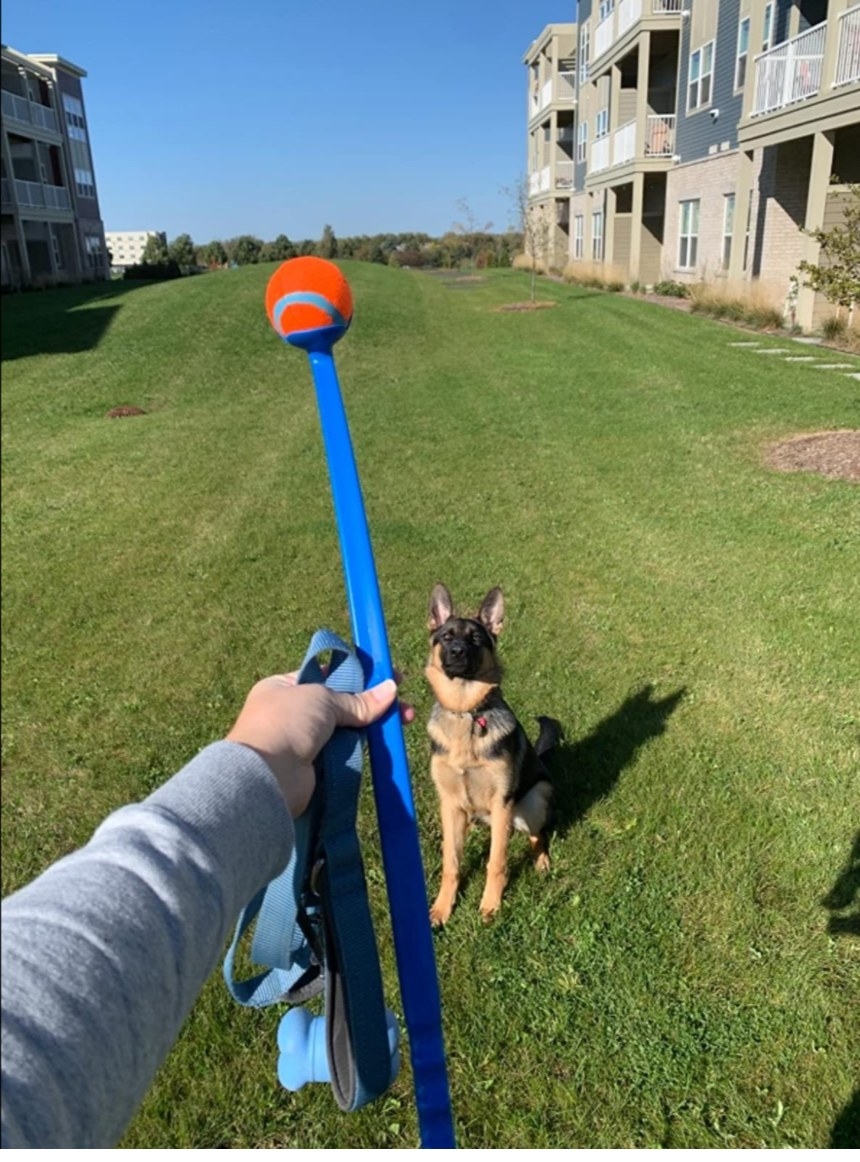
<point>540,305</point>
<point>835,455</point>
<point>123,411</point>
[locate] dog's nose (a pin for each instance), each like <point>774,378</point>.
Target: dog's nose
<point>456,649</point>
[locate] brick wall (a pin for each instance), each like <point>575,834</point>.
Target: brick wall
<point>779,211</point>
<point>709,181</point>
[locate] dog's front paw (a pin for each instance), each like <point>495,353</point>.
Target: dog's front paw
<point>542,862</point>
<point>489,907</point>
<point>440,913</point>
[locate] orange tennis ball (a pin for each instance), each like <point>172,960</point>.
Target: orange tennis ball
<point>307,294</point>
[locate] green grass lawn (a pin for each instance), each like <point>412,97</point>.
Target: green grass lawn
<point>687,975</point>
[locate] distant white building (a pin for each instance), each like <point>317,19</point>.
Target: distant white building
<point>127,246</point>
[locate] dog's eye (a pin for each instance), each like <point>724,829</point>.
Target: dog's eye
<point>446,637</point>
<point>477,640</point>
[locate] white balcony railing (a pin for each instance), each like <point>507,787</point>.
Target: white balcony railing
<point>599,155</point>
<point>625,15</point>
<point>660,135</point>
<point>29,111</point>
<point>534,183</point>
<point>561,88</point>
<point>39,196</point>
<point>564,175</point>
<point>789,72</point>
<point>545,179</point>
<point>848,56</point>
<point>624,143</point>
<point>629,11</point>
<point>604,35</point>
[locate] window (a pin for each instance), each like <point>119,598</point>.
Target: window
<point>584,50</point>
<point>743,52</point>
<point>93,244</point>
<point>728,227</point>
<point>606,8</point>
<point>582,141</point>
<point>601,125</point>
<point>597,236</point>
<point>74,117</point>
<point>578,236</point>
<point>58,251</point>
<point>767,34</point>
<point>688,240</point>
<point>85,183</point>
<point>701,75</point>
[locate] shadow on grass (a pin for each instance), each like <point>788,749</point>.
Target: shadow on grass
<point>843,903</point>
<point>584,772</point>
<point>61,321</point>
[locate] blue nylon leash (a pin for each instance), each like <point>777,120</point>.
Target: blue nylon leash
<point>323,887</point>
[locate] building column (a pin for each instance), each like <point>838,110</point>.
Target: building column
<point>642,64</point>
<point>609,225</point>
<point>16,212</point>
<point>820,170</point>
<point>743,198</point>
<point>636,227</point>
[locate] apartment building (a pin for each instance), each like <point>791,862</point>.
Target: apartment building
<point>551,63</point>
<point>707,133</point>
<point>50,224</point>
<point>126,247</point>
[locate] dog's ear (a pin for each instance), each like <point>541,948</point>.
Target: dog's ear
<point>492,611</point>
<point>441,607</point>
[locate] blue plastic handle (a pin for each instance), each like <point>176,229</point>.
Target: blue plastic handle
<point>401,853</point>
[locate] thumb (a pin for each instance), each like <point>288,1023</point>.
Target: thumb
<point>362,709</point>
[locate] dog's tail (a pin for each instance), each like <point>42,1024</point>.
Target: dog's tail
<point>549,737</point>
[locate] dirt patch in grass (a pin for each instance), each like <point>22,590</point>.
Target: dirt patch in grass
<point>835,455</point>
<point>125,410</point>
<point>540,305</point>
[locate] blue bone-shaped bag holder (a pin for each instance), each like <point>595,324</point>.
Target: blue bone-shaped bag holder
<point>314,930</point>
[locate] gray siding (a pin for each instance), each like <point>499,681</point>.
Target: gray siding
<point>698,132</point>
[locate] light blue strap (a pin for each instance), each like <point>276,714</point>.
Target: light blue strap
<point>279,942</point>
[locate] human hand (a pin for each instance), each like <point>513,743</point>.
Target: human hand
<point>288,725</point>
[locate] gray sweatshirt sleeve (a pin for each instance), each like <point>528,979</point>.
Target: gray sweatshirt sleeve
<point>105,953</point>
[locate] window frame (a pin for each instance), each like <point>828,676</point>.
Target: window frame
<point>597,236</point>
<point>602,118</point>
<point>742,56</point>
<point>701,76</point>
<point>582,142</point>
<point>688,238</point>
<point>729,207</point>
<point>579,236</point>
<point>768,27</point>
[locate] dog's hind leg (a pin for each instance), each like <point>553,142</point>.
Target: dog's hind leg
<point>531,815</point>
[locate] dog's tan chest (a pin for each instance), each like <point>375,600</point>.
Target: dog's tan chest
<point>462,773</point>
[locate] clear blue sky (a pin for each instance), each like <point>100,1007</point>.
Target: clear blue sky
<point>225,117</point>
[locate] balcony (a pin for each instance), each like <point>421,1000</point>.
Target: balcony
<point>29,112</point>
<point>620,147</point>
<point>848,55</point>
<point>541,181</point>
<point>560,89</point>
<point>789,72</point>
<point>39,196</point>
<point>625,14</point>
<point>660,135</point>
<point>5,191</point>
<point>564,175</point>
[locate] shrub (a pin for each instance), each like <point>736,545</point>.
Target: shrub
<point>598,275</point>
<point>745,303</point>
<point>675,290</point>
<point>833,328</point>
<point>154,271</point>
<point>526,262</point>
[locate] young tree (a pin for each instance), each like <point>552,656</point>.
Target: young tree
<point>155,251</point>
<point>533,224</point>
<point>247,250</point>
<point>181,251</point>
<point>328,243</point>
<point>837,274</point>
<point>468,229</point>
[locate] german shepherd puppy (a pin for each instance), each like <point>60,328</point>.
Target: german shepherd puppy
<point>484,767</point>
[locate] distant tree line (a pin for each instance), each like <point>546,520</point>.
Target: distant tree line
<point>476,247</point>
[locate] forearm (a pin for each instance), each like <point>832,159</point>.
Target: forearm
<point>104,954</point>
